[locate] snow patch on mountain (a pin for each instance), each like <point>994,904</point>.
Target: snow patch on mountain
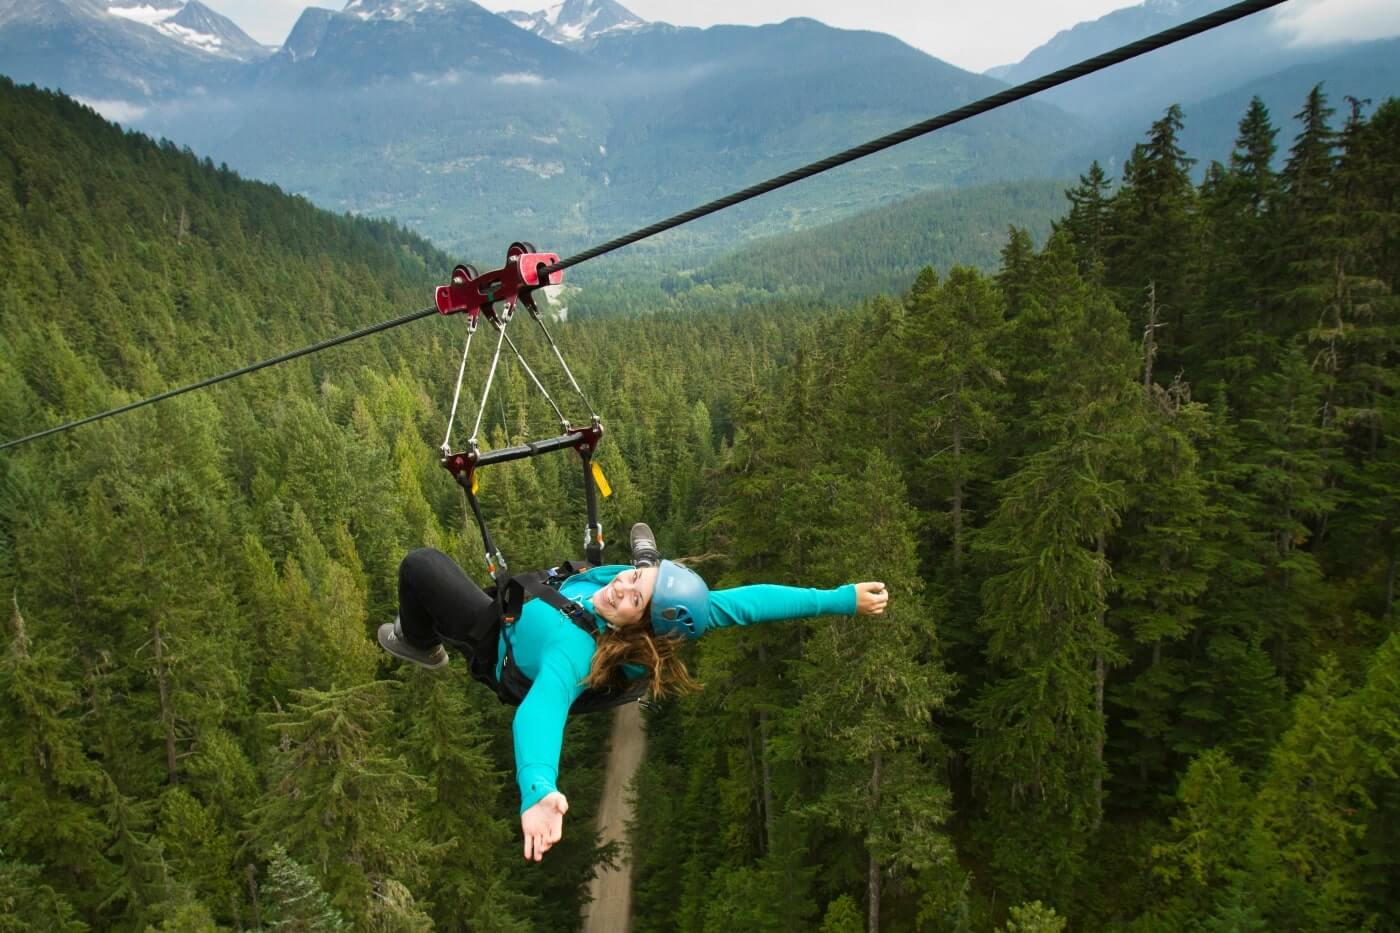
<point>144,14</point>
<point>377,9</point>
<point>195,26</point>
<point>200,40</point>
<point>574,21</point>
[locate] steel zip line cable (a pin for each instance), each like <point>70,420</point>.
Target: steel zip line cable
<point>1089,66</point>
<point>252,367</point>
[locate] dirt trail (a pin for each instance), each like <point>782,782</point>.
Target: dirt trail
<point>610,910</point>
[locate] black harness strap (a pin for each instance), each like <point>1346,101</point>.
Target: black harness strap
<point>511,597</point>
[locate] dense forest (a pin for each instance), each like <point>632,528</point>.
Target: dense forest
<point>1135,496</point>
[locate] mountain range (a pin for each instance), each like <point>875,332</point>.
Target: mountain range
<point>581,121</point>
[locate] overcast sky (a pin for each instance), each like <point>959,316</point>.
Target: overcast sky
<point>972,34</point>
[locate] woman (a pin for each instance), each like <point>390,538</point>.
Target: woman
<point>640,614</point>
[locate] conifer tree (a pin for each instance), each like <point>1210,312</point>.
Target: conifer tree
<point>1234,324</point>
<point>27,903</point>
<point>1089,222</point>
<point>1209,858</point>
<point>448,746</point>
<point>52,789</point>
<point>141,888</point>
<point>293,900</point>
<point>1308,810</point>
<point>1017,262</point>
<point>953,332</point>
<point>198,851</point>
<point>337,798</point>
<point>1034,917</point>
<point>870,689</point>
<point>1154,218</point>
<point>1163,557</point>
<point>1040,723</point>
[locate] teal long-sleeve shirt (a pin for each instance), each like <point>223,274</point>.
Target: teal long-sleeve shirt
<point>557,655</point>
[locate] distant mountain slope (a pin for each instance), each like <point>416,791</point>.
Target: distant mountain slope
<point>1364,70</point>
<point>476,133</point>
<point>307,33</point>
<point>195,269</point>
<point>706,111</point>
<point>1370,71</point>
<point>883,250</point>
<point>1189,70</point>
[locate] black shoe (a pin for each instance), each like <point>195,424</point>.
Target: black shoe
<point>644,552</point>
<point>391,640</point>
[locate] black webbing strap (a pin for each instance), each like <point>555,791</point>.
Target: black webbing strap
<point>593,534</point>
<point>538,585</point>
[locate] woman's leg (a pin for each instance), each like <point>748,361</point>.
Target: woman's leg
<point>438,601</point>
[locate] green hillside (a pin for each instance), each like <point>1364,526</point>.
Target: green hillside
<point>882,250</point>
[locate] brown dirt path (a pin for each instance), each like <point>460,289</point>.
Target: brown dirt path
<point>610,910</point>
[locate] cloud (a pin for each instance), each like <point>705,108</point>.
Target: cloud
<point>118,111</point>
<point>444,79</point>
<point>518,77</point>
<point>1316,22</point>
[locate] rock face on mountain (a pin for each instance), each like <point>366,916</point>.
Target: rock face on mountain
<point>577,20</point>
<point>195,24</point>
<point>305,37</point>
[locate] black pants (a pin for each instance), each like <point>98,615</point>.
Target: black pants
<point>438,602</point>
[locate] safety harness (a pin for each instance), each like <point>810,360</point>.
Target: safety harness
<point>511,597</point>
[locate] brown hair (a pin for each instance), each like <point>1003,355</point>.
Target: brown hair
<point>637,644</point>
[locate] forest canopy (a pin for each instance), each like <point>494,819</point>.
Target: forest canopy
<point>1135,495</point>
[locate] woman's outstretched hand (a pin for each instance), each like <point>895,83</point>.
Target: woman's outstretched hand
<point>871,599</point>
<point>543,824</point>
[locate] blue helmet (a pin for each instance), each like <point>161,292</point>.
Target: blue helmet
<point>680,604</point>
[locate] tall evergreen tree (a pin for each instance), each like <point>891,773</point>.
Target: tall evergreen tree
<point>446,742</point>
<point>1154,218</point>
<point>1089,222</point>
<point>870,690</point>
<point>52,790</point>
<point>335,796</point>
<point>1038,758</point>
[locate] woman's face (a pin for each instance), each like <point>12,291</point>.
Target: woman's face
<point>624,601</point>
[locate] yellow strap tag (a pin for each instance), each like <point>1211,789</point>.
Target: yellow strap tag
<point>601,480</point>
<point>476,484</point>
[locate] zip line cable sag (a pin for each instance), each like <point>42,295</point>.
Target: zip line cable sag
<point>1086,67</point>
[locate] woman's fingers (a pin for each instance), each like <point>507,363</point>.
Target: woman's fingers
<point>871,598</point>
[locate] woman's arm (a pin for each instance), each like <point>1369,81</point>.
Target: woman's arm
<point>767,602</point>
<point>538,727</point>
